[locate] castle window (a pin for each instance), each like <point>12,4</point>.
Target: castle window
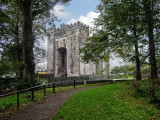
<point>64,42</point>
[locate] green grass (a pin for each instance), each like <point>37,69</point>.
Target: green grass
<point>10,102</point>
<point>111,102</point>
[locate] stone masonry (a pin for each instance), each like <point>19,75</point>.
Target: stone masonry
<point>64,46</point>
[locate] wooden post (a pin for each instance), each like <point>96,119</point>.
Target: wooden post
<point>53,87</point>
<point>44,90</point>
<point>32,94</point>
<point>17,100</point>
<point>74,84</point>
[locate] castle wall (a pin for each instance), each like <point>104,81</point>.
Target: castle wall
<point>72,38</point>
<point>50,54</point>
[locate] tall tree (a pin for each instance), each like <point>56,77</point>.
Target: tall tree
<point>122,28</point>
<point>30,10</point>
<point>152,11</point>
<point>129,25</point>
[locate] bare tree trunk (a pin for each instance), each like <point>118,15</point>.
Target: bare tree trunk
<point>138,64</point>
<point>154,73</point>
<point>28,42</point>
<point>149,21</point>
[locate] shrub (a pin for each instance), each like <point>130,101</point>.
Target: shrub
<point>142,87</point>
<point>19,84</point>
<point>148,88</point>
<point>155,90</point>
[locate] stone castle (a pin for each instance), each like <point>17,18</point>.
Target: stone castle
<point>63,56</point>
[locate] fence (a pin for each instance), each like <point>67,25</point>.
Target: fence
<point>32,89</point>
<point>54,85</point>
<point>5,87</point>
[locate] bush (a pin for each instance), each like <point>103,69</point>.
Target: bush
<point>155,90</point>
<point>142,87</point>
<point>148,88</point>
<point>19,84</point>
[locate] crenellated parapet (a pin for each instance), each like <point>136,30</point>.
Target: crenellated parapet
<point>68,29</point>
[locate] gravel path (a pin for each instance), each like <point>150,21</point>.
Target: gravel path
<point>48,107</point>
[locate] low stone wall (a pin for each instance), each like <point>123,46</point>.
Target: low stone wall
<point>71,83</point>
<point>50,78</point>
<point>80,78</point>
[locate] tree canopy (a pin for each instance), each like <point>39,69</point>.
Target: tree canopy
<point>22,28</point>
<point>124,29</point>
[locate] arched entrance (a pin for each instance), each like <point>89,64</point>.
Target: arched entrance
<point>62,61</point>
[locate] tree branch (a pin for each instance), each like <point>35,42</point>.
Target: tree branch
<point>20,3</point>
<point>40,11</point>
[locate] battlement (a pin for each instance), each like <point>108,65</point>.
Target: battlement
<point>68,28</point>
<point>76,25</point>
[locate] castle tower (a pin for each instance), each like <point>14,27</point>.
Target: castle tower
<point>64,46</point>
<point>63,55</point>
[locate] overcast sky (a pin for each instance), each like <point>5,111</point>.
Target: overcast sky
<point>79,10</point>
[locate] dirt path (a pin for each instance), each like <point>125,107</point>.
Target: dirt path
<point>48,107</point>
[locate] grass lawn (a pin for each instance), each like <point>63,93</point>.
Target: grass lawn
<point>10,102</point>
<point>111,102</point>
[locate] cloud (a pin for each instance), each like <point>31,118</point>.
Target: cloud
<point>60,12</point>
<point>88,19</point>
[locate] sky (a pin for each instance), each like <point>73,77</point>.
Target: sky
<point>79,10</point>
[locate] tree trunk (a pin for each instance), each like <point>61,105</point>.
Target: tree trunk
<point>154,73</point>
<point>149,21</point>
<point>138,64</point>
<point>19,46</point>
<point>28,43</point>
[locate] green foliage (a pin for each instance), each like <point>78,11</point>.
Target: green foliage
<point>129,70</point>
<point>149,89</point>
<point>5,67</point>
<point>121,33</point>
<point>19,84</point>
<point>145,69</point>
<point>13,26</point>
<point>95,48</point>
<point>142,88</point>
<point>155,90</point>
<point>111,102</point>
<point>125,70</point>
<point>10,62</point>
<point>125,31</point>
<point>10,40</point>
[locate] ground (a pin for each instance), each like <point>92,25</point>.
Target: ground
<point>46,108</point>
<point>118,101</point>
